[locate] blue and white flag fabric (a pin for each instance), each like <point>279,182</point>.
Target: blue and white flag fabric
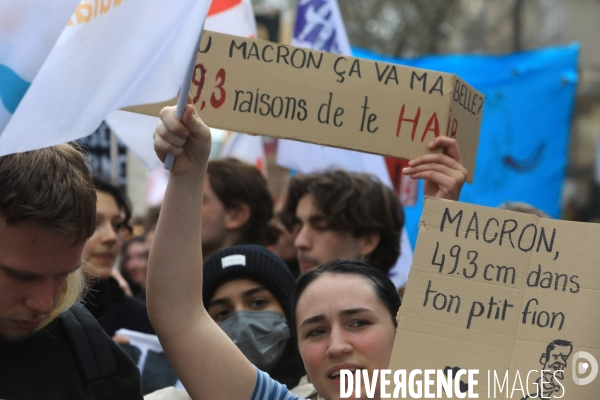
<point>111,54</point>
<point>28,31</point>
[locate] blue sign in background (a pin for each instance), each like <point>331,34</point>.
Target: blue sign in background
<point>524,139</point>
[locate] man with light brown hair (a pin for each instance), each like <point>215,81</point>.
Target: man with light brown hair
<point>47,212</point>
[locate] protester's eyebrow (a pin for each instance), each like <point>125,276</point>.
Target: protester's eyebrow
<point>352,311</point>
<point>15,271</point>
<point>316,219</point>
<point>255,290</point>
<point>312,320</point>
<point>33,274</point>
<point>216,302</point>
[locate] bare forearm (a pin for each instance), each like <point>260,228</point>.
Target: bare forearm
<point>202,354</point>
<point>175,265</point>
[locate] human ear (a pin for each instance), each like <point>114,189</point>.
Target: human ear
<point>237,217</point>
<point>543,359</point>
<point>368,242</point>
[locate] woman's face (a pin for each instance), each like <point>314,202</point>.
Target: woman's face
<point>342,324</point>
<point>241,294</point>
<point>136,263</point>
<point>102,248</point>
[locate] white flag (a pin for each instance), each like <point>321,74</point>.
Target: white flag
<point>319,26</point>
<point>234,17</point>
<point>112,54</point>
<point>28,30</point>
<point>307,158</point>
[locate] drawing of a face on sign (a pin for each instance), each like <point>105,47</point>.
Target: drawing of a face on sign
<point>554,363</point>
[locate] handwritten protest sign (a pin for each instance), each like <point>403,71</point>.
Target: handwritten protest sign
<point>494,290</point>
<point>259,87</point>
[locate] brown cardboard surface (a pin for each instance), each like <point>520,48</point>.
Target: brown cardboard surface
<point>259,87</point>
<point>553,262</point>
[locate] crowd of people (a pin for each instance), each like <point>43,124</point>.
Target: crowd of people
<point>250,299</point>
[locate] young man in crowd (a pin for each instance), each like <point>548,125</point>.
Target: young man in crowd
<point>237,207</point>
<point>343,215</point>
<point>50,345</point>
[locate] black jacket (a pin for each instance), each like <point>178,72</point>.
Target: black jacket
<point>45,366</point>
<point>114,310</point>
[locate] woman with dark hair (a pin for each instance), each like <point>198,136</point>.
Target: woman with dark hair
<point>343,315</point>
<point>105,299</point>
<point>346,273</point>
<point>133,265</point>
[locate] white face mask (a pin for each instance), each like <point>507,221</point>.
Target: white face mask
<point>260,335</point>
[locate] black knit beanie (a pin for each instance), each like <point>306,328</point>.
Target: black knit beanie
<point>252,262</point>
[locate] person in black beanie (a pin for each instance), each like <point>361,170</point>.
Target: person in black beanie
<point>246,290</point>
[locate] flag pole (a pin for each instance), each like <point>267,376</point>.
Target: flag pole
<point>114,157</point>
<point>183,94</point>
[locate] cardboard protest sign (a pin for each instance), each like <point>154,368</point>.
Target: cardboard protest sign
<point>494,290</point>
<point>259,87</point>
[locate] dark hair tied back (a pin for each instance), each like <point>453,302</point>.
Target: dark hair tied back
<point>383,286</point>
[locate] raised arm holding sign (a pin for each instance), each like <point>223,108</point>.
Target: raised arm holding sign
<point>348,305</point>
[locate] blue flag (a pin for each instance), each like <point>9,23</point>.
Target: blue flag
<point>523,145</point>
